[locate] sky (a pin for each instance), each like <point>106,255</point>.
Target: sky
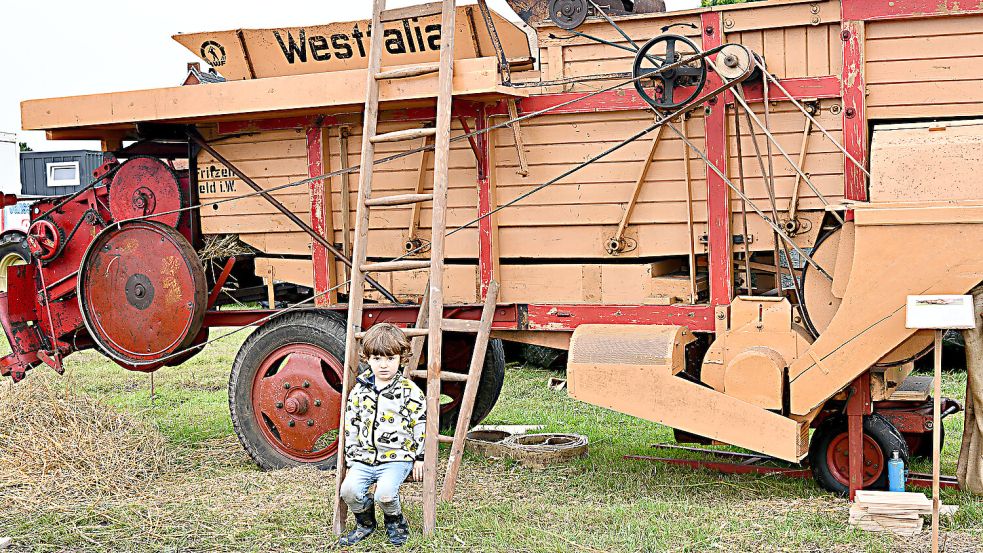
<point>57,48</point>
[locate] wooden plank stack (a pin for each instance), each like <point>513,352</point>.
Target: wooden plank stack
<point>899,513</point>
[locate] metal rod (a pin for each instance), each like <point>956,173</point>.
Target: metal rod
<point>765,176</point>
<point>764,129</point>
<point>503,61</point>
<point>773,199</point>
<point>346,198</point>
<point>613,24</point>
<point>793,204</point>
<point>740,176</point>
<point>639,182</point>
<point>821,128</point>
<point>744,197</point>
<point>690,223</point>
<point>195,136</point>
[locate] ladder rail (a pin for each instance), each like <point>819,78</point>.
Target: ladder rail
<point>432,309</point>
<point>438,226</point>
<point>360,246</point>
<point>470,390</point>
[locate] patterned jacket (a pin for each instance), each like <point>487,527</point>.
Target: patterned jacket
<point>384,425</point>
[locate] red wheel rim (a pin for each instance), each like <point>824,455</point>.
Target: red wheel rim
<point>838,460</point>
<point>296,399</point>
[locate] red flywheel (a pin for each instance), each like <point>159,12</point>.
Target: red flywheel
<point>142,291</point>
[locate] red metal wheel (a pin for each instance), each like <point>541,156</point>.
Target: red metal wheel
<point>143,186</point>
<point>142,293</point>
<point>296,401</point>
<point>838,460</point>
<point>44,239</point>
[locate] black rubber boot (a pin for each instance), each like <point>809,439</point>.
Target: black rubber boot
<point>364,526</point>
<point>397,528</point>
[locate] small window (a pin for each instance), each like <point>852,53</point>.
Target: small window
<point>63,174</point>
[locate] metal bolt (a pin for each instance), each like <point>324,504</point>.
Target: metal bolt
<point>291,424</point>
<point>815,9</point>
<point>845,35</point>
<point>851,113</point>
<point>317,403</point>
<point>709,30</point>
<point>307,384</point>
<point>720,316</point>
<point>286,385</point>
<point>729,23</point>
<point>279,405</point>
<point>310,422</point>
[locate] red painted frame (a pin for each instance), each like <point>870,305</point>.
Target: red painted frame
<point>323,266</point>
<point>872,10</point>
<point>719,220</point>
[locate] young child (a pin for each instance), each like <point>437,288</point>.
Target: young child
<point>385,420</point>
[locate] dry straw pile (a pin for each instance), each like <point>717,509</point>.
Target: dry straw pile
<point>59,444</point>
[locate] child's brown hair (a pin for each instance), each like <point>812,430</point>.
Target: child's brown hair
<point>385,340</point>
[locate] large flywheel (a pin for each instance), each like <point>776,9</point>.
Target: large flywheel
<point>144,186</point>
<point>142,292</point>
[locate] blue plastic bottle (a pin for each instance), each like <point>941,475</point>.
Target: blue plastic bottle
<point>895,473</point>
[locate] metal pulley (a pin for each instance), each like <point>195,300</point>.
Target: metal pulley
<point>144,186</point>
<point>568,14</point>
<point>658,67</point>
<point>732,62</point>
<point>142,292</point>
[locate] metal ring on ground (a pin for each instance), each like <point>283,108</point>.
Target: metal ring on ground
<point>542,450</point>
<point>487,442</point>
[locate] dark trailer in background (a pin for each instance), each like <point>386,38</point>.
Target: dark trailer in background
<point>57,173</point>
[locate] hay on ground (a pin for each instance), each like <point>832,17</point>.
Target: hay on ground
<point>67,445</point>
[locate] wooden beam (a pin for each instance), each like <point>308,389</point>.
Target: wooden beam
<point>298,94</point>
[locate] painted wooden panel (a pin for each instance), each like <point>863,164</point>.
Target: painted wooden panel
<point>925,67</point>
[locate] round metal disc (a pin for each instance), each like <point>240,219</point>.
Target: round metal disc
<point>142,292</point>
<point>568,14</point>
<point>143,186</point>
<point>732,62</point>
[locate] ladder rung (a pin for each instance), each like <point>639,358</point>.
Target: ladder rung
<point>445,439</point>
<point>401,199</point>
<point>459,325</point>
<point>445,376</point>
<point>408,332</point>
<point>407,134</point>
<point>391,266</point>
<point>406,72</point>
<point>409,12</point>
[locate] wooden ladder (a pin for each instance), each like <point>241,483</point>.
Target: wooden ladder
<point>430,322</point>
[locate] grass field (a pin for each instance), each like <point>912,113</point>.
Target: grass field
<point>179,481</point>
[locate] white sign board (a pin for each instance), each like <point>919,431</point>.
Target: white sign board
<point>940,312</point>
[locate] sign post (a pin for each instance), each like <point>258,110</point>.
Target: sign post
<point>938,313</point>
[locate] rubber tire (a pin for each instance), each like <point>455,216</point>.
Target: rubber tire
<point>324,329</point>
<point>887,437</point>
<point>15,243</point>
<point>489,388</point>
<point>543,357</point>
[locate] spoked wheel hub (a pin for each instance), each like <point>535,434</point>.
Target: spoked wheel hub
<point>296,399</point>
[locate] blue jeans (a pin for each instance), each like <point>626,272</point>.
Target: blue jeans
<point>386,476</point>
